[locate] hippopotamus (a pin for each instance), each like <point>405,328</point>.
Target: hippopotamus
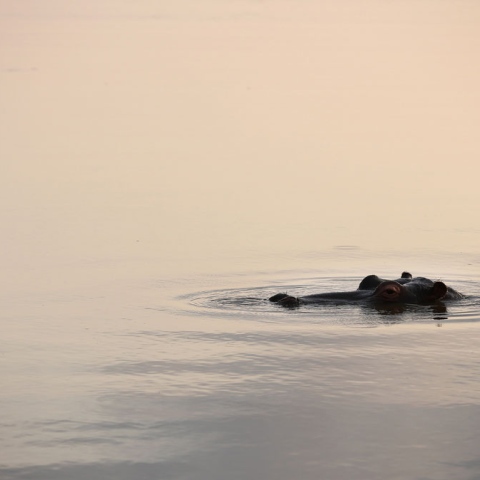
<point>406,289</point>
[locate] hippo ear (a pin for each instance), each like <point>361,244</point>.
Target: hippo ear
<point>438,291</point>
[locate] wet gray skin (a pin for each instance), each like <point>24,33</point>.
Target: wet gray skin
<point>406,289</point>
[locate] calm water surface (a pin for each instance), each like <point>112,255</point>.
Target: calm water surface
<point>166,168</point>
<point>193,378</point>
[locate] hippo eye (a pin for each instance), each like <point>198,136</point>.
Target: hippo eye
<point>390,290</point>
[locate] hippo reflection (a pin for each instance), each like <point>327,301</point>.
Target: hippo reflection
<point>406,289</point>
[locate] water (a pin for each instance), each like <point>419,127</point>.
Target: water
<point>182,380</point>
<point>166,168</point>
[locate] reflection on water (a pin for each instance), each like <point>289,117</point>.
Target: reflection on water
<point>243,397</point>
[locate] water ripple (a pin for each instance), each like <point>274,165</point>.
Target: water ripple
<point>253,302</point>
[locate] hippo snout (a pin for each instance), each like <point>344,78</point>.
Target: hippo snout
<point>389,291</point>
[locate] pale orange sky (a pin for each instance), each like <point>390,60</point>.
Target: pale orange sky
<point>239,125</point>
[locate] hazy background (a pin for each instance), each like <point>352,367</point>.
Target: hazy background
<point>183,134</point>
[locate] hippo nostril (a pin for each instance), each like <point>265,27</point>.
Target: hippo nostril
<point>390,291</point>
